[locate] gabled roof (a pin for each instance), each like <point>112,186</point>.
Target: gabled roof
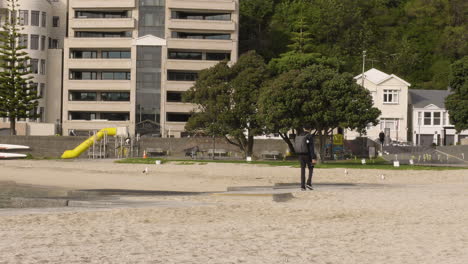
<point>378,77</point>
<point>423,98</point>
<point>149,40</point>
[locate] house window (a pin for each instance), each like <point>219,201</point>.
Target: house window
<point>34,42</point>
<point>24,17</point>
<point>391,123</point>
<point>390,96</point>
<point>43,41</point>
<point>44,19</point>
<point>23,41</point>
<point>436,118</point>
<point>55,21</point>
<point>43,67</point>
<point>35,18</point>
<point>427,118</point>
<point>35,66</point>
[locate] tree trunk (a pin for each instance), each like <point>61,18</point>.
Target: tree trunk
<point>250,144</point>
<point>13,126</point>
<point>288,142</point>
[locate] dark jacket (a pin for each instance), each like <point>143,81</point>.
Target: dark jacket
<point>310,144</point>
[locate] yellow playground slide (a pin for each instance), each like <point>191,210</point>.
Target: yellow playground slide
<point>70,154</point>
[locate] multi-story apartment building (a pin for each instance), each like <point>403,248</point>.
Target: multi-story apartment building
<point>42,34</point>
<point>128,62</point>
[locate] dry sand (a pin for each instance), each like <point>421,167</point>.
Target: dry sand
<point>410,217</point>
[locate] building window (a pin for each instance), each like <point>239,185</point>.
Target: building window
<point>115,116</point>
<point>185,55</point>
<point>115,96</point>
<point>83,54</point>
<point>116,54</point>
<point>427,118</point>
<point>391,123</point>
<point>90,34</point>
<point>82,96</point>
<point>218,56</point>
<point>190,35</point>
<point>34,42</point>
<point>55,21</point>
<point>81,116</point>
<point>201,16</point>
<point>102,14</point>
<point>43,41</point>
<point>181,76</point>
<point>115,75</point>
<point>390,96</point>
<point>83,75</point>
<point>437,120</point>
<point>24,17</point>
<point>43,67</point>
<point>53,43</point>
<point>35,66</point>
<point>42,90</point>
<point>23,41</point>
<point>174,97</point>
<point>44,19</point>
<point>35,18</point>
<point>178,117</point>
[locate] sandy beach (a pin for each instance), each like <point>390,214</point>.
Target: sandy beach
<point>409,217</point>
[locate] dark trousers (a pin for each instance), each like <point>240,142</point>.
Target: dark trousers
<point>306,160</point>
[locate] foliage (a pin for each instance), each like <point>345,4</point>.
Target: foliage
<point>414,39</point>
<point>457,102</point>
<point>318,97</point>
<point>227,100</point>
<point>18,94</point>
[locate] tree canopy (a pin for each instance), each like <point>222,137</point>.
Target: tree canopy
<point>227,101</point>
<point>318,97</point>
<point>18,94</point>
<point>414,39</point>
<point>457,102</point>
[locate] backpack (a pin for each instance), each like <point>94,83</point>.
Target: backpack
<point>300,144</point>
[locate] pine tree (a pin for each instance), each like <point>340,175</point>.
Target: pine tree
<point>18,94</point>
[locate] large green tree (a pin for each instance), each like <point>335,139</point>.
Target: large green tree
<point>318,97</point>
<point>18,94</point>
<point>414,39</point>
<point>227,101</point>
<point>457,102</point>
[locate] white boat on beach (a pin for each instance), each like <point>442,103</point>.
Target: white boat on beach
<point>10,146</point>
<point>4,155</point>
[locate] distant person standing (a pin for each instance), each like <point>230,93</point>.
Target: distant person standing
<point>382,137</point>
<point>304,147</point>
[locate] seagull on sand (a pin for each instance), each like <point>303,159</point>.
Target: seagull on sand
<point>382,177</point>
<point>345,172</point>
<point>145,170</point>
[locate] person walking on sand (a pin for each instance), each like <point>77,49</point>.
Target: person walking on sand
<point>304,147</point>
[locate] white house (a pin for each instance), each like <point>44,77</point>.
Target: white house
<point>390,95</point>
<point>430,120</point>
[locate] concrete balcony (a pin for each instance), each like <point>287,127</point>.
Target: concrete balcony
<point>93,4</point>
<point>110,64</point>
<point>99,106</point>
<point>201,44</point>
<point>98,42</point>
<point>189,65</point>
<point>178,86</point>
<point>101,85</point>
<point>179,107</point>
<point>104,23</point>
<point>224,5</point>
<point>205,25</point>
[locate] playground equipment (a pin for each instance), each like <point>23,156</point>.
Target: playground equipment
<point>91,141</point>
